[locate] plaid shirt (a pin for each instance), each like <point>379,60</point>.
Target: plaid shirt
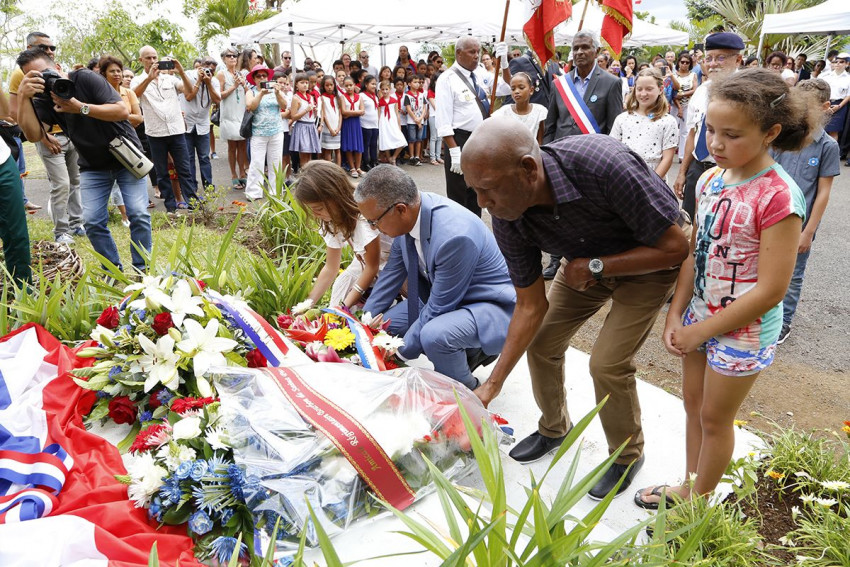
<point>607,201</point>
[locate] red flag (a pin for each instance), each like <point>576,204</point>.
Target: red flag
<point>544,17</point>
<point>617,23</point>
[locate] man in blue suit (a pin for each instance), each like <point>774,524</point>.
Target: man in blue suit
<point>460,298</point>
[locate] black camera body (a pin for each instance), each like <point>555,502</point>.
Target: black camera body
<point>269,85</point>
<point>165,65</point>
<point>56,84</point>
<point>207,72</point>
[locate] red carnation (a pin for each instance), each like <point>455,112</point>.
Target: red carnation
<point>122,410</point>
<point>154,402</point>
<point>256,359</point>
<point>150,437</point>
<point>182,405</point>
<point>161,323</point>
<point>109,318</point>
<point>285,321</point>
<point>201,284</point>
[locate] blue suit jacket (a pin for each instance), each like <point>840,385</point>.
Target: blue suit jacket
<point>466,270</point>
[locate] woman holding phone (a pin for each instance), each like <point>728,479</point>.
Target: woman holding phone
<point>266,100</point>
<point>232,88</point>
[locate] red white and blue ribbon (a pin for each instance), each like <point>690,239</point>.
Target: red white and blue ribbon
<point>370,357</point>
<point>576,105</point>
<point>274,346</point>
<point>26,505</point>
<point>47,469</point>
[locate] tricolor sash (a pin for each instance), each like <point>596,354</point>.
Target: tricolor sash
<point>274,346</point>
<point>30,481</point>
<point>575,104</point>
<point>351,439</point>
<point>369,355</point>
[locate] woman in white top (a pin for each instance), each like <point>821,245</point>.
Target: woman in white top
<point>646,126</point>
<point>231,111</point>
<point>323,189</point>
<point>839,96</point>
<point>776,62</point>
<point>687,85</point>
<point>532,115</point>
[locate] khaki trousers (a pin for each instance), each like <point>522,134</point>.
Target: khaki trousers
<point>636,301</point>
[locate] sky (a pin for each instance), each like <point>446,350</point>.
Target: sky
<point>665,11</point>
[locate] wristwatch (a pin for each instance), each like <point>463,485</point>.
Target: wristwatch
<point>596,266</point>
<point>84,110</point>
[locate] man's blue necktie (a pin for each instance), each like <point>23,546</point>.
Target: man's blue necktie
<point>412,279</point>
<point>479,92</point>
<point>701,148</point>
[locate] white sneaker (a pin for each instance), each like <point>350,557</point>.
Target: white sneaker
<point>65,239</point>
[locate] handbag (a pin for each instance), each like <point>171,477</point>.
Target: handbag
<point>130,156</point>
<point>215,117</point>
<point>10,132</point>
<point>247,127</point>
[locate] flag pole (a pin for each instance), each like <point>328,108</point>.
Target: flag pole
<point>497,69</point>
<point>583,14</point>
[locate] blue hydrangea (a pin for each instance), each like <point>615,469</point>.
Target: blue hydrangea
<point>170,491</point>
<point>200,522</point>
<point>223,548</point>
<point>183,470</point>
<point>164,396</point>
<point>199,470</point>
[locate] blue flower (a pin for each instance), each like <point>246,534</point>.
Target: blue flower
<point>199,470</point>
<point>217,466</point>
<point>141,314</point>
<point>237,482</point>
<point>164,396</point>
<point>145,416</point>
<point>155,509</point>
<point>170,491</point>
<point>184,470</point>
<point>115,371</point>
<point>225,515</point>
<point>200,522</point>
<point>223,547</point>
<point>102,394</point>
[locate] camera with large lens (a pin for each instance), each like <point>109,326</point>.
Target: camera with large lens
<point>56,84</point>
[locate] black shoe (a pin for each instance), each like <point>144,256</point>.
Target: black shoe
<point>535,447</point>
<point>366,167</point>
<point>783,334</point>
<point>476,357</point>
<point>552,268</point>
<point>609,480</point>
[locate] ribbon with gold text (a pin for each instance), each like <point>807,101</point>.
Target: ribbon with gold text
<point>351,439</point>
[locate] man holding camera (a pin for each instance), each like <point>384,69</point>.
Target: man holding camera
<point>196,113</point>
<point>91,112</point>
<point>158,95</point>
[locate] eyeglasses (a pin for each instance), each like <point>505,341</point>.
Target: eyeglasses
<point>364,57</point>
<point>287,57</point>
<point>374,223</point>
<point>231,56</point>
<point>716,58</point>
<point>47,47</point>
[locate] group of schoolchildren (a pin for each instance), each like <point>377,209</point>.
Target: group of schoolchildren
<point>358,120</point>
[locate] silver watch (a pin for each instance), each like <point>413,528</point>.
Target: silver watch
<point>84,110</point>
<point>596,266</point>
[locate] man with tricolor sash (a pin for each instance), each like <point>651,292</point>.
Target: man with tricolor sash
<point>584,101</point>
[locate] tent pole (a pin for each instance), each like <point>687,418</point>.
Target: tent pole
<point>381,48</point>
<point>292,45</point>
<point>497,70</point>
<point>341,41</point>
<point>761,43</point>
<point>828,42</point>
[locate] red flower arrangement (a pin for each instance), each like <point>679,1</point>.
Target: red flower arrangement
<point>182,405</point>
<point>122,410</point>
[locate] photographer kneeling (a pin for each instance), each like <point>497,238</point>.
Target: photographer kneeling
<point>90,111</point>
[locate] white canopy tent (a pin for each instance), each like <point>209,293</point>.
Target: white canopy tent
<point>830,18</point>
<point>379,22</point>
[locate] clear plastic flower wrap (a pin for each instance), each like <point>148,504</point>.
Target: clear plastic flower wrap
<point>409,412</point>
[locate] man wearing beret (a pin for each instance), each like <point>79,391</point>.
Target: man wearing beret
<point>722,57</point>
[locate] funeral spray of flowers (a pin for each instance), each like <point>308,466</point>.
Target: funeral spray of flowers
<point>152,354</point>
<point>340,335</point>
<point>411,413</point>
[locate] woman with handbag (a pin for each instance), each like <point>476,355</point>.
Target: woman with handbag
<point>231,112</point>
<point>264,101</point>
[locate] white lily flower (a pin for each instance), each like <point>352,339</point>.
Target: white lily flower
<point>153,295</point>
<point>186,428</point>
<point>102,335</point>
<point>184,302</point>
<point>303,307</point>
<point>204,346</point>
<point>160,362</point>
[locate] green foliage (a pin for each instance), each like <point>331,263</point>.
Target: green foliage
<point>805,460</point>
<point>115,29</point>
<point>821,540</point>
<point>287,227</point>
<point>218,17</point>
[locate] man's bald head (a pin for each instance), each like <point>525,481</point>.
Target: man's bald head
<point>148,56</point>
<point>501,162</point>
<point>500,140</point>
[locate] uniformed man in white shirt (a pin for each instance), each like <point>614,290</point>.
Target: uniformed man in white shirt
<point>462,104</point>
<point>722,57</point>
